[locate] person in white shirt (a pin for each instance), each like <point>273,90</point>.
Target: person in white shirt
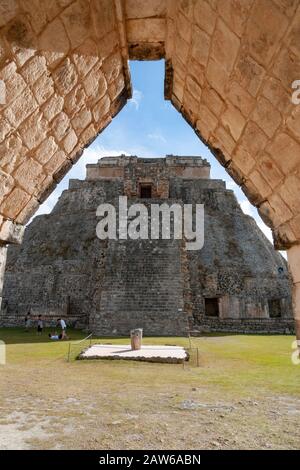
<point>63,326</point>
<point>40,325</point>
<point>54,336</point>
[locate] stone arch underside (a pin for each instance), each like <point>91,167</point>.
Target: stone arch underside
<point>230,65</point>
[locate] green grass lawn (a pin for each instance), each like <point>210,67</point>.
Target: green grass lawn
<point>231,361</point>
<point>251,375</point>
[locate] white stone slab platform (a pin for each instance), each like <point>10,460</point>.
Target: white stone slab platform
<point>169,354</point>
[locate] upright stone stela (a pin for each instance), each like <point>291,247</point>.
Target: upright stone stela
<point>143,285</point>
<point>236,282</point>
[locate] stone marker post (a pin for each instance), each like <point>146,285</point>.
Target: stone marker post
<point>136,338</point>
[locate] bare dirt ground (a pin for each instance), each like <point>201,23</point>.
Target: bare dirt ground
<point>241,397</point>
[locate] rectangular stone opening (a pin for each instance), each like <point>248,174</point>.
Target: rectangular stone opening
<point>274,308</point>
<point>212,307</point>
<point>145,191</point>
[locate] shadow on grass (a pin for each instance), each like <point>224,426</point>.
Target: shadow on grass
<point>19,336</point>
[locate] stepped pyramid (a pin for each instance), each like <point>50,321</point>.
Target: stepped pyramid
<point>236,282</point>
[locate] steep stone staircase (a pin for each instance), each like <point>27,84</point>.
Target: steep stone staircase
<point>143,288</point>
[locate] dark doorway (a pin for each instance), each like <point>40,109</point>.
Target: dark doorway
<point>274,308</point>
<point>212,307</point>
<point>146,191</point>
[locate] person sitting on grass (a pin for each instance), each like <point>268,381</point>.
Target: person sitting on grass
<point>55,336</point>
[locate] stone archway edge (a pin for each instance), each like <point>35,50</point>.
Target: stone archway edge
<point>230,67</point>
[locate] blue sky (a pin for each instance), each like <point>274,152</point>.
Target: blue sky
<point>149,126</point>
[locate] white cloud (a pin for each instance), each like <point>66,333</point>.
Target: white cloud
<point>284,254</point>
<point>265,229</point>
<point>48,205</point>
<point>90,155</point>
<point>137,96</point>
<point>169,106</point>
<point>231,185</point>
<point>246,207</point>
<point>268,233</point>
<point>157,136</point>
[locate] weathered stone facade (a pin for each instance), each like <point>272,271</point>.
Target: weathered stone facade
<point>230,66</point>
<point>236,282</point>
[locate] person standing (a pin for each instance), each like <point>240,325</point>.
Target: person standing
<point>27,321</point>
<point>40,325</point>
<point>61,322</point>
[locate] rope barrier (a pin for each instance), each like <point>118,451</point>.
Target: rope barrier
<point>89,337</point>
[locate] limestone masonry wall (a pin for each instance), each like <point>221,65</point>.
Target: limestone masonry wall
<point>111,286</point>
<point>65,73</point>
<point>230,66</point>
